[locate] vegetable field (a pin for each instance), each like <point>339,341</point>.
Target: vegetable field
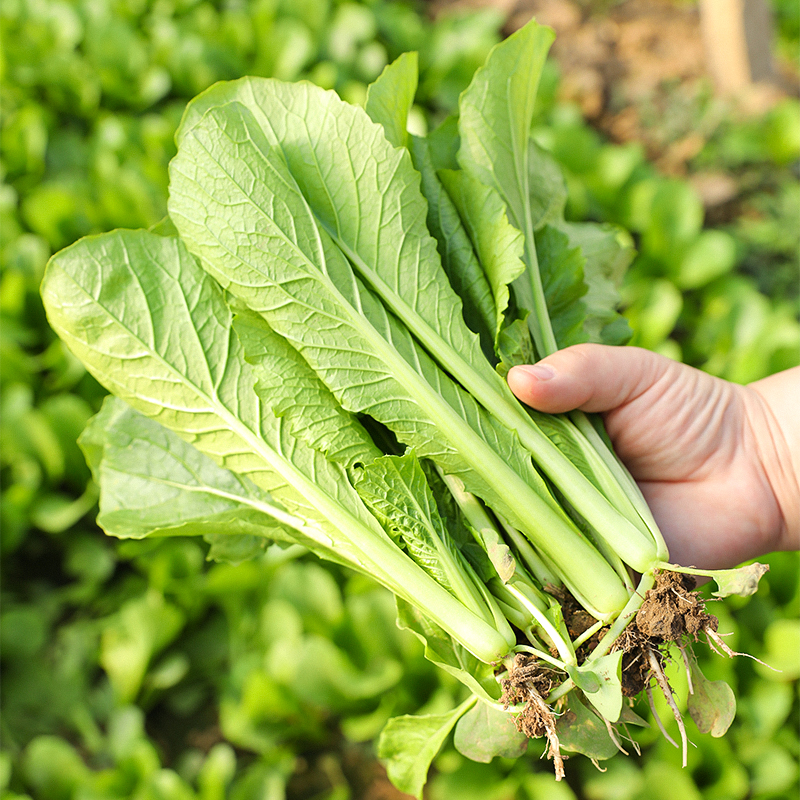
<point>294,378</point>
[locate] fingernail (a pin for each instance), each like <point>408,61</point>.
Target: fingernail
<point>542,372</point>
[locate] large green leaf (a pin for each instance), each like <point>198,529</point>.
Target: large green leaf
<point>369,203</point>
<point>237,205</point>
<point>155,329</point>
<point>304,287</point>
<point>495,115</point>
<point>153,483</point>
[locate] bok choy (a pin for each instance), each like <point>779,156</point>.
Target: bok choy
<point>310,351</point>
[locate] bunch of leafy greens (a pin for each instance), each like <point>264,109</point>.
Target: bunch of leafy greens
<point>310,351</point>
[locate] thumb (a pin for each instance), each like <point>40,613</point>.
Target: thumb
<point>589,377</point>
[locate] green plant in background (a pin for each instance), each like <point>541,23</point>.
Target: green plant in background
<point>693,293</point>
<point>72,601</point>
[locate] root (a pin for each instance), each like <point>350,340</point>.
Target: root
<point>547,719</point>
<point>660,724</point>
<point>688,668</point>
<point>672,612</point>
<point>612,734</point>
<point>633,743</point>
<point>663,684</point>
<point>715,641</point>
<point>528,679</point>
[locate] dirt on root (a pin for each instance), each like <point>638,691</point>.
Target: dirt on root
<point>529,682</point>
<point>670,611</point>
<point>672,608</point>
<point>527,674</point>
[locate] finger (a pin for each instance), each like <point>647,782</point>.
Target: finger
<point>590,377</point>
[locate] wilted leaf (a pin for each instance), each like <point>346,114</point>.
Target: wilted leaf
<point>712,704</point>
<point>742,580</point>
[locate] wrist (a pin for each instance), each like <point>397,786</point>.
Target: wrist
<point>774,419</point>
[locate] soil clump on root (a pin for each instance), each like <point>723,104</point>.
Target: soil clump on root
<point>529,681</point>
<point>671,609</point>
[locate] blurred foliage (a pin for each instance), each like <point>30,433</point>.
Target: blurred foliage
<point>724,299</point>
<point>138,670</point>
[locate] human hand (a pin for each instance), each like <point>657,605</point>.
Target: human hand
<point>718,463</point>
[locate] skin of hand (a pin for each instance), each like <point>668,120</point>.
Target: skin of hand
<point>718,463</point>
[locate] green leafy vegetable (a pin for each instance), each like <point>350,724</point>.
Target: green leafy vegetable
<point>165,315</point>
<point>309,352</point>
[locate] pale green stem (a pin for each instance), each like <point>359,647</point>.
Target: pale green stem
<point>525,648</point>
<point>544,574</point>
<point>498,619</point>
<point>622,480</point>
<point>564,648</point>
<point>635,547</point>
<point>587,634</point>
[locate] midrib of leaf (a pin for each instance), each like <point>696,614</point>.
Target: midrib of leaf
<point>272,510</point>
